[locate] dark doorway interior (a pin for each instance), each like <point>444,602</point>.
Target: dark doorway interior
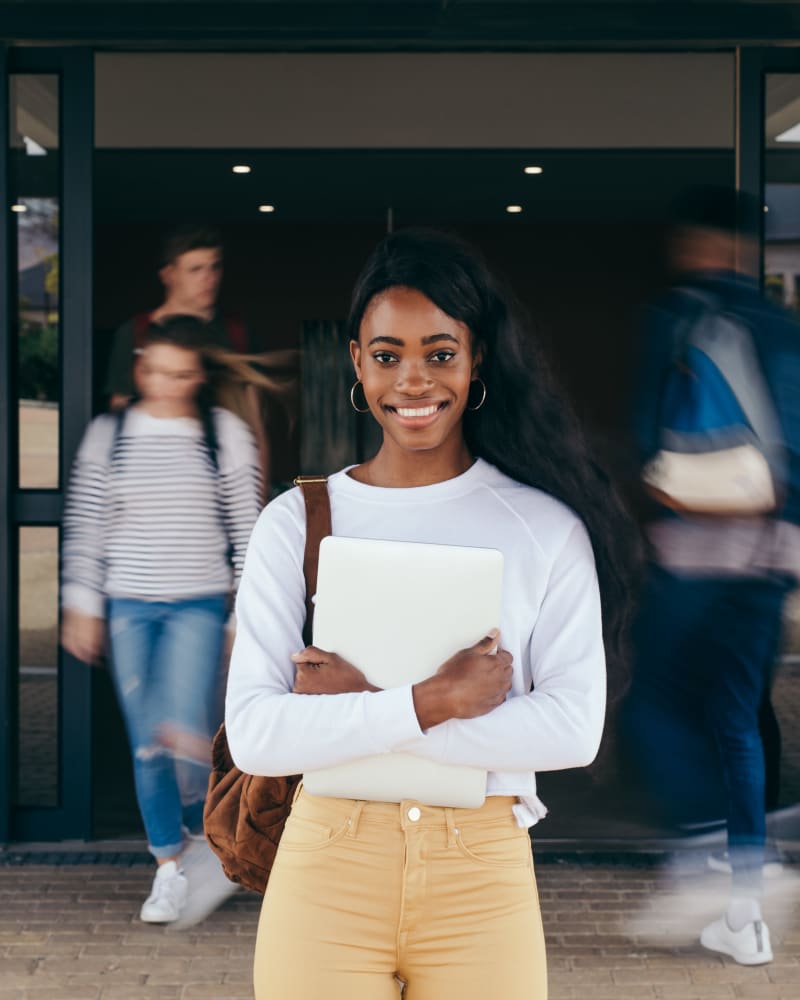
<point>114,811</point>
<point>583,255</point>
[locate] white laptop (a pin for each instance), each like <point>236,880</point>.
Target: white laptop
<point>397,611</point>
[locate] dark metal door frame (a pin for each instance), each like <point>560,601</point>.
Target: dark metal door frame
<point>6,619</point>
<point>752,67</point>
<point>75,67</point>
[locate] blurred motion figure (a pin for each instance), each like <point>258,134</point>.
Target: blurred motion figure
<point>162,499</point>
<point>717,428</point>
<point>190,271</point>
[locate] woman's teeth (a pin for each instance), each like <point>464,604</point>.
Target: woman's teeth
<point>417,411</point>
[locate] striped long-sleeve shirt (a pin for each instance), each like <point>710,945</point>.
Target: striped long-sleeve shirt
<point>150,518</point>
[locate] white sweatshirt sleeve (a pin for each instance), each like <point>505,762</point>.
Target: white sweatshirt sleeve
<point>83,566</point>
<point>560,722</point>
<point>270,730</point>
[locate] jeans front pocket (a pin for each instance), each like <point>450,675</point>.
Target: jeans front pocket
<point>496,844</point>
<point>302,834</point>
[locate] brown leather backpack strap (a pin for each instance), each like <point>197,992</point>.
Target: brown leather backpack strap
<point>318,526</point>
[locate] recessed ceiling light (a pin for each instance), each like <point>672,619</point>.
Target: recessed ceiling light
<point>534,170</point>
<point>514,209</point>
<point>241,168</point>
<point>19,208</point>
<point>266,208</point>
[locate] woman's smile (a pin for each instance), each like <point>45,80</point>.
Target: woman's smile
<point>417,415</point>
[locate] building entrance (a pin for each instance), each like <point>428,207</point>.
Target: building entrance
<point>567,197</point>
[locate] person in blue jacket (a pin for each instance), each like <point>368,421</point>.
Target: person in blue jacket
<point>709,625</point>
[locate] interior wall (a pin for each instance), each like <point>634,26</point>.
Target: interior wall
<point>406,100</point>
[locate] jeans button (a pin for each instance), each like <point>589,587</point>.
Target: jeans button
<point>414,813</point>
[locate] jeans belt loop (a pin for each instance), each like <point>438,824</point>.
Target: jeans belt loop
<point>355,816</point>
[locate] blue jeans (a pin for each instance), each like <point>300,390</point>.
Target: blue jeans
<point>165,661</point>
<point>704,655</point>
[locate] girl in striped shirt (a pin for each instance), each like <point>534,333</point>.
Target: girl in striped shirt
<point>161,504</point>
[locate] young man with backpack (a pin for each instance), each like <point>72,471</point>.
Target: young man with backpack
<point>717,428</point>
<point>191,273</point>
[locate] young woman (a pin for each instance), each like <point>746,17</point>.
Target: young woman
<point>162,501</point>
<point>478,449</point>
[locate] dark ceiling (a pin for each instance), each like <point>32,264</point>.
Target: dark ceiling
<point>436,25</point>
<point>419,186</point>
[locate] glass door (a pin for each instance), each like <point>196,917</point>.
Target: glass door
<point>46,350</point>
<point>781,276</point>
<point>782,188</point>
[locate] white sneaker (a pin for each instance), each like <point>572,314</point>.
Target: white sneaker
<point>167,897</point>
<point>749,946</point>
<point>209,886</point>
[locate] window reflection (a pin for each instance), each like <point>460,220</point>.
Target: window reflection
<point>34,214</point>
<point>782,190</point>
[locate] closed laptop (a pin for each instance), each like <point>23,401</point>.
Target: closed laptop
<point>398,611</point>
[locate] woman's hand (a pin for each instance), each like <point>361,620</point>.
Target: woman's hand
<point>83,635</point>
<point>469,684</point>
<point>319,672</point>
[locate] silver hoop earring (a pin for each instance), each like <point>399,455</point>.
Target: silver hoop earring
<point>483,397</point>
<point>353,397</point>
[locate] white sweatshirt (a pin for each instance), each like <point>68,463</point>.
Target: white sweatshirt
<point>550,623</point>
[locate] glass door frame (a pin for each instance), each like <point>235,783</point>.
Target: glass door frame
<point>71,819</point>
<point>752,67</point>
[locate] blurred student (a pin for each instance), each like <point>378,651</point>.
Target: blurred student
<point>191,273</point>
<point>162,499</point>
<point>709,628</point>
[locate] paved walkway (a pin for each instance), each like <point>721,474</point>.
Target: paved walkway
<point>617,929</point>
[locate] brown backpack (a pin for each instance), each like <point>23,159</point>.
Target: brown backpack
<point>244,814</point>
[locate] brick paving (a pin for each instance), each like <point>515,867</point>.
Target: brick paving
<point>621,928</point>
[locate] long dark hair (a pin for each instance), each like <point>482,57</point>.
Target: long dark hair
<point>527,428</point>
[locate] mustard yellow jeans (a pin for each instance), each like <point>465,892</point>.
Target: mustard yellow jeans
<point>368,896</point>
